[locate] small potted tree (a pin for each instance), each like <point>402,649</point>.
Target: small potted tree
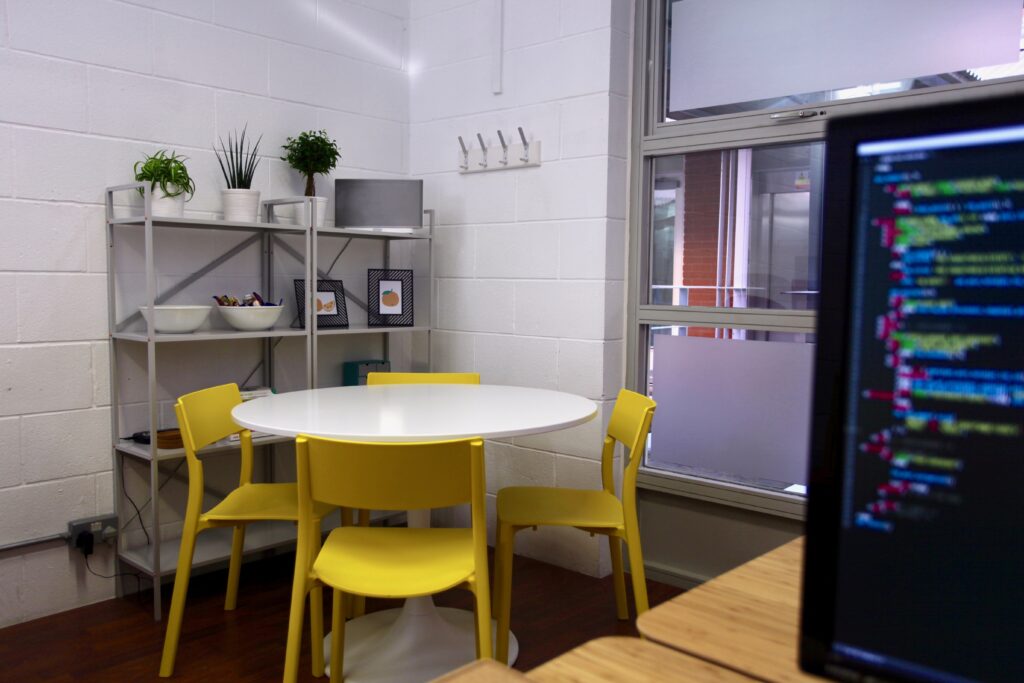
<point>238,160</point>
<point>311,153</point>
<point>168,180</point>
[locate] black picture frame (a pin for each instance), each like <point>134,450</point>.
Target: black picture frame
<point>380,282</point>
<point>324,319</point>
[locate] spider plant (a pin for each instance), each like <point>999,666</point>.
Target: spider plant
<point>238,160</point>
<point>167,171</point>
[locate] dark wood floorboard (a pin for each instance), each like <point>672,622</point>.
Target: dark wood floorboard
<point>117,640</point>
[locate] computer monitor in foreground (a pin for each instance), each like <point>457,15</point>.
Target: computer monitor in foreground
<point>914,566</point>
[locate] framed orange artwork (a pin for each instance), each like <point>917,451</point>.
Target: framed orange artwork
<point>331,310</point>
<point>389,295</point>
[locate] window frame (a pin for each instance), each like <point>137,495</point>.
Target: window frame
<point>650,137</point>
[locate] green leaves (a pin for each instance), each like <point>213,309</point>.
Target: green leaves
<point>168,171</point>
<point>238,160</point>
<point>311,153</point>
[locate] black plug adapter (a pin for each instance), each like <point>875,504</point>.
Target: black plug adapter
<point>84,542</point>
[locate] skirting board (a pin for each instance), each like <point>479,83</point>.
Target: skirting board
<point>664,573</point>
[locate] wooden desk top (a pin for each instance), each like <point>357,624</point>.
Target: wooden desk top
<point>482,671</point>
<point>748,619</point>
<point>619,658</point>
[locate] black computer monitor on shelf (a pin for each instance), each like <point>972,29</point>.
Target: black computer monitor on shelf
<point>914,566</point>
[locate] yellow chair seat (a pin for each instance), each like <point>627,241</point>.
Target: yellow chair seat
<point>376,562</point>
<point>533,505</point>
<point>261,502</point>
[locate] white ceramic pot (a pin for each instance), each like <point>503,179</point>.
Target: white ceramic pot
<point>321,210</point>
<point>168,207</point>
<point>250,318</point>
<point>297,213</point>
<point>285,213</point>
<point>177,319</point>
<point>240,205</point>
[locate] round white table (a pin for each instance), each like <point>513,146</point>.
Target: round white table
<point>419,641</point>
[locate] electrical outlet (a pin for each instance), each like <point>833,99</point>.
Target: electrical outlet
<point>102,528</point>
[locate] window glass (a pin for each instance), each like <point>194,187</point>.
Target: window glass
<point>733,405</point>
<point>737,228</point>
<point>790,53</point>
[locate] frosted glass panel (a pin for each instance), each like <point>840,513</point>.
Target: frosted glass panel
<point>729,409</point>
<point>731,51</point>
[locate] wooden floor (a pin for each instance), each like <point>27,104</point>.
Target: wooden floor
<point>553,611</point>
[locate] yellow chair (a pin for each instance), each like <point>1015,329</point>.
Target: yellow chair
<point>387,562</point>
<point>423,378</point>
<point>205,417</point>
<point>598,512</point>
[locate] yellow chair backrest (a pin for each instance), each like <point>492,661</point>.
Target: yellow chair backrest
<point>391,476</point>
<point>629,425</point>
<point>204,416</point>
<point>423,378</point>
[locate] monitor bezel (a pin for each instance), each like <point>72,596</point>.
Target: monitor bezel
<point>825,484</point>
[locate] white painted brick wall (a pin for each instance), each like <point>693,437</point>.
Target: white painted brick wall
<point>92,85</point>
<point>89,87</point>
<point>530,262</point>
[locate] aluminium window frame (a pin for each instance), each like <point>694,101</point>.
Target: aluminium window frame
<point>651,137</point>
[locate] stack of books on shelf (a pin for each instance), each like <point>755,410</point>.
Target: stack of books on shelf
<point>248,394</point>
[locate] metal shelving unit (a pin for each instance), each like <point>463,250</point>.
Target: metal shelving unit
<point>158,557</point>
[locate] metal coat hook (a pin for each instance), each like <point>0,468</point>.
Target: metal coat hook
<point>465,155</point>
<point>504,149</point>
<point>526,146</point>
<point>483,149</point>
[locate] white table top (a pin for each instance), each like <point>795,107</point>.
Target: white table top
<point>415,412</point>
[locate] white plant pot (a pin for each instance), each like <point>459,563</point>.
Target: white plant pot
<point>297,213</point>
<point>240,205</point>
<point>168,207</point>
<point>321,210</point>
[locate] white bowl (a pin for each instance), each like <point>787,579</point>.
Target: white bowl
<point>177,319</point>
<point>251,318</point>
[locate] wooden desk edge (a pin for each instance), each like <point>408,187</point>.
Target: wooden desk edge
<point>619,658</point>
<point>482,671</point>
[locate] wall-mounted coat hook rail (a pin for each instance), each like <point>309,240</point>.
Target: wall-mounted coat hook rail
<point>474,160</point>
<point>464,163</point>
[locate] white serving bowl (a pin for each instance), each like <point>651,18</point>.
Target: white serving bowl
<point>251,318</point>
<point>177,319</point>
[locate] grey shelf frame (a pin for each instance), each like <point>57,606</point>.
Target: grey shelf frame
<point>159,558</point>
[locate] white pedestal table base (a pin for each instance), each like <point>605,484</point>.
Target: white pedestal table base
<point>413,644</point>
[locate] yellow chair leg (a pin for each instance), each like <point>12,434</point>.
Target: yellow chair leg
<point>503,591</point>
<point>316,611</point>
<point>337,636</point>
<point>636,571</point>
<point>618,577</point>
<point>235,567</point>
<point>295,614</point>
<point>177,611</point>
<point>483,620</point>
<point>357,604</point>
<point>316,629</point>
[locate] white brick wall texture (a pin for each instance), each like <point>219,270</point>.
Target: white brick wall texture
<point>530,263</point>
<point>89,87</point>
